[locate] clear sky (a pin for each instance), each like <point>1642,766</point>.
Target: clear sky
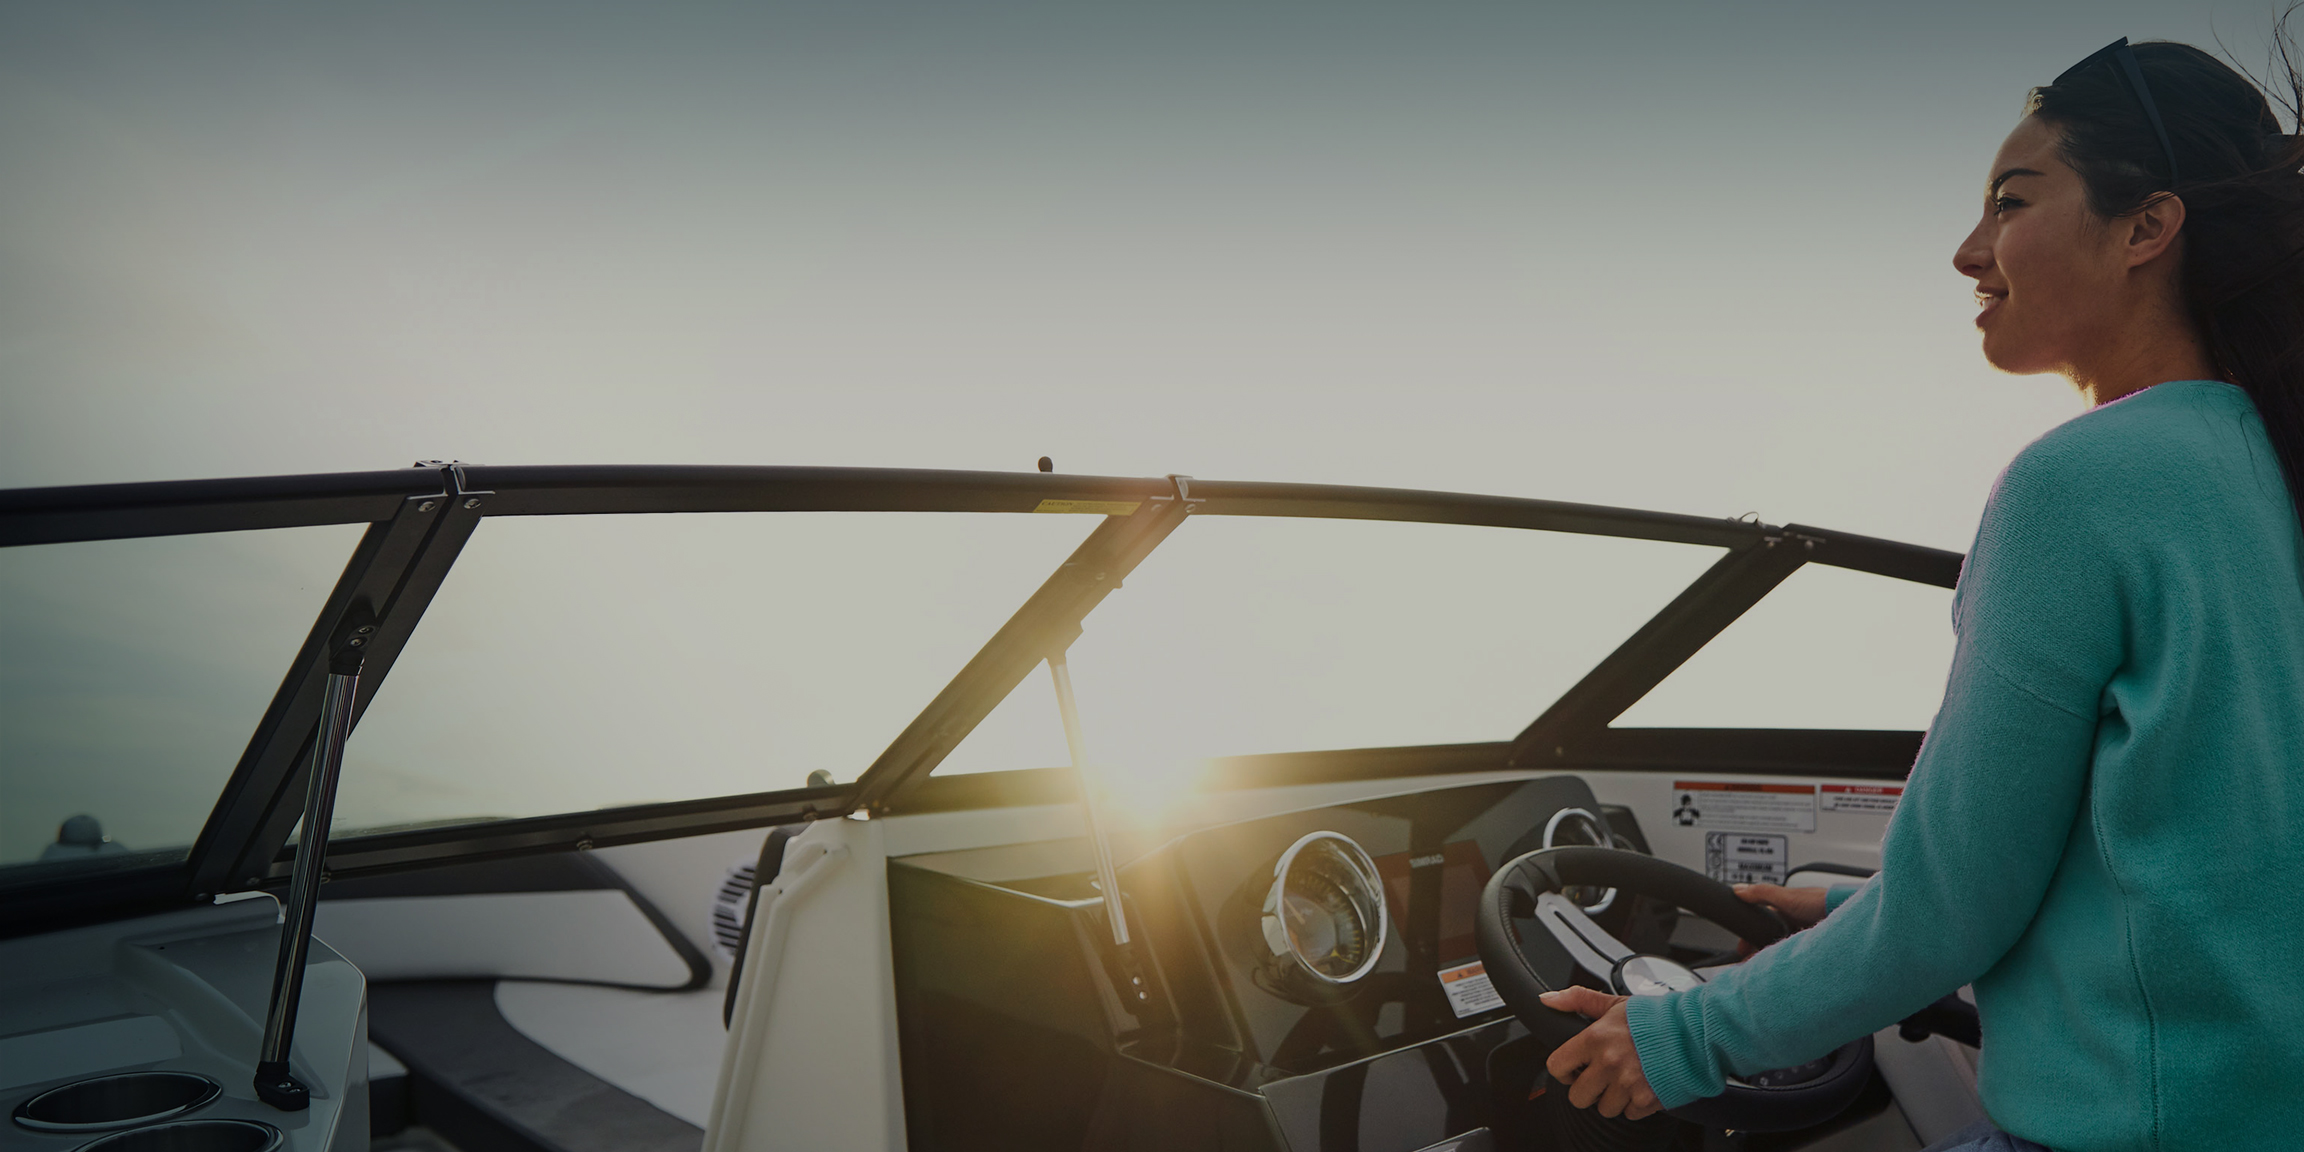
<point>1688,256</point>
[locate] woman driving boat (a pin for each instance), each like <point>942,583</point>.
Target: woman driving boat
<point>2104,831</point>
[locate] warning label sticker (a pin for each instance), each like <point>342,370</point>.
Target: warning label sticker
<point>1756,807</point>
<point>1746,858</point>
<point>1469,990</point>
<point>1859,797</point>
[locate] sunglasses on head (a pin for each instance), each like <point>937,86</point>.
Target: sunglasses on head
<point>2120,52</point>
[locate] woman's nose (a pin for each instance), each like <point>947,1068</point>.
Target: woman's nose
<point>1974,255</point>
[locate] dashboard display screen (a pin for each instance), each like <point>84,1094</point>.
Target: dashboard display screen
<point>1433,895</point>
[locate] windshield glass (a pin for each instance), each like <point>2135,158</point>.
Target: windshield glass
<point>577,662</point>
<point>1249,635</point>
<point>1828,648</point>
<point>132,673</point>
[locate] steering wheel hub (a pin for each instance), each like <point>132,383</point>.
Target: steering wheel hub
<point>1652,976</point>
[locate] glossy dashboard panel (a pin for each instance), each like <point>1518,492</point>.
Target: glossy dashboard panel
<point>1022,1027</point>
<point>1202,897</point>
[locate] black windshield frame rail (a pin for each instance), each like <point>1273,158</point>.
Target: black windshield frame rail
<point>408,550</point>
<point>567,490</point>
<point>186,507</point>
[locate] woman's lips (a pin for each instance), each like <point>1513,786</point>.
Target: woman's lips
<point>1988,303</point>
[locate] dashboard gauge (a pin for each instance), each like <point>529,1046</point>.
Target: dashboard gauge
<point>1323,920</point>
<point>1577,826</point>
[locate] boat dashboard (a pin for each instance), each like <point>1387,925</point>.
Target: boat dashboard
<point>1302,981</point>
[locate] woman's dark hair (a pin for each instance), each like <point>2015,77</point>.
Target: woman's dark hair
<point>2243,196</point>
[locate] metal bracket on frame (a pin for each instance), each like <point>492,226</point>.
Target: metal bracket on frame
<point>1183,498</point>
<point>459,488</point>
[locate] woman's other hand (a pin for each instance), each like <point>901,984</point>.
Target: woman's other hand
<point>1599,1064</point>
<point>1800,907</point>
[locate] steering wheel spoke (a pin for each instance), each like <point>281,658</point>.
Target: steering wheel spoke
<point>1593,948</point>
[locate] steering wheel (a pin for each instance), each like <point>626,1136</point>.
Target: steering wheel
<point>1533,940</point>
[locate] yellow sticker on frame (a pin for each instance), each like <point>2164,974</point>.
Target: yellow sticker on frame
<point>1090,507</point>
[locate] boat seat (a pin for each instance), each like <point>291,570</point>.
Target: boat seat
<point>563,916</point>
<point>486,1087</point>
<point>543,1004</point>
<point>538,1004</point>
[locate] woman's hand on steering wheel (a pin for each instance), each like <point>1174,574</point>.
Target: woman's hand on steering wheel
<point>1800,907</point>
<point>1600,1064</point>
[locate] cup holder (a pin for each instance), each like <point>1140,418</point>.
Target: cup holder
<point>117,1102</point>
<point>190,1136</point>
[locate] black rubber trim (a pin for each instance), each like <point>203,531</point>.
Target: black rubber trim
<point>770,865</point>
<point>555,872</point>
<point>475,1080</point>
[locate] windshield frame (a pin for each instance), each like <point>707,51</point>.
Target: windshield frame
<point>375,573</point>
<point>420,518</point>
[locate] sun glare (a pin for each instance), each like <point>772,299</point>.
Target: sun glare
<point>1147,795</point>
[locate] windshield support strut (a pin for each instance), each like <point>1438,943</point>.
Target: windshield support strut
<point>1107,875</point>
<point>1046,623</point>
<point>1703,610</point>
<point>393,570</point>
<point>275,1084</point>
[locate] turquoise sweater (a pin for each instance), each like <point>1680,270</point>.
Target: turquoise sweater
<point>2105,829</point>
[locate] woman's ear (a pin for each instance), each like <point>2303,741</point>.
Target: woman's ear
<point>2152,229</point>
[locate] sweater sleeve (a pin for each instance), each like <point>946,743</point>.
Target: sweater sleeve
<point>1984,819</point>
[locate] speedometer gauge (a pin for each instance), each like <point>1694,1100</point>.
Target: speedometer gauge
<point>1323,919</point>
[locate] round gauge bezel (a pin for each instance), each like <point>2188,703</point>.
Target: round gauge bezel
<point>1371,883</point>
<point>1551,827</point>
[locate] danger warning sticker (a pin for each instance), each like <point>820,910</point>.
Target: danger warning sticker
<point>1746,858</point>
<point>1756,807</point>
<point>1859,797</point>
<point>1469,990</point>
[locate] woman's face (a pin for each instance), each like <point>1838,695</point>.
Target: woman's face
<point>2049,272</point>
